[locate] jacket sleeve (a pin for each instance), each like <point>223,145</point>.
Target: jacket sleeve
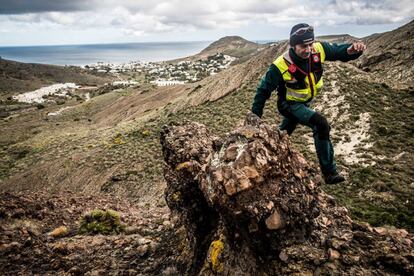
<point>335,52</point>
<point>268,84</point>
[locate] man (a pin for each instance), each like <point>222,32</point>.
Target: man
<point>297,76</point>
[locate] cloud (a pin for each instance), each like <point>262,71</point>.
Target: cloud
<point>368,12</point>
<point>39,6</point>
<point>141,18</point>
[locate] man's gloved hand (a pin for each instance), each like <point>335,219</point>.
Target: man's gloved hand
<point>252,119</point>
<point>356,48</point>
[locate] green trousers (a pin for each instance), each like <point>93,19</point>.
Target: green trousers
<point>300,113</point>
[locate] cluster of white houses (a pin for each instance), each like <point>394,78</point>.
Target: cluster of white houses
<point>164,73</point>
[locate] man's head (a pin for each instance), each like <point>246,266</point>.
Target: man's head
<point>301,39</point>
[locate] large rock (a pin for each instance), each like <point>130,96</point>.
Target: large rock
<point>250,204</point>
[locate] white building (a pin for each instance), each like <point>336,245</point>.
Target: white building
<point>167,82</point>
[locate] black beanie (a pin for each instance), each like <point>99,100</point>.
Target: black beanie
<point>306,37</point>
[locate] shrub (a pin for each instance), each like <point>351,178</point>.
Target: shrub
<point>101,222</point>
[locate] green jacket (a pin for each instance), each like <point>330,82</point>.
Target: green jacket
<point>274,80</point>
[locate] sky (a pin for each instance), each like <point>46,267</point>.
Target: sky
<point>62,22</point>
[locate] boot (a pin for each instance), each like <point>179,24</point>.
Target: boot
<point>333,178</point>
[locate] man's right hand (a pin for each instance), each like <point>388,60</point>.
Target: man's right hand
<point>356,48</point>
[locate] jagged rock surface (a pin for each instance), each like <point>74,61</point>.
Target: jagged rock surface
<point>249,204</point>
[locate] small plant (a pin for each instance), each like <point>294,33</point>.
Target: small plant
<point>146,133</point>
<point>101,222</point>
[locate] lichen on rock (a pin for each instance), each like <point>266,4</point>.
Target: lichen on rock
<point>216,248</point>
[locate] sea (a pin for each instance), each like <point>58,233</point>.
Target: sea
<point>109,53</point>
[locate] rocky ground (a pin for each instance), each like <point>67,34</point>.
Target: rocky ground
<point>108,148</point>
<point>39,236</point>
<point>252,205</point>
<point>246,203</point>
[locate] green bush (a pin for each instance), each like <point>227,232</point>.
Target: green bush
<point>101,222</point>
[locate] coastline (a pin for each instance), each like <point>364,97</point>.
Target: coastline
<point>81,55</point>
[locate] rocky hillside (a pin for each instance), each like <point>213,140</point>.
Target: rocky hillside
<point>235,46</point>
<point>246,203</point>
<point>18,77</point>
<point>110,140</point>
<point>94,139</point>
<point>390,56</point>
<point>110,147</point>
<point>41,235</point>
<point>344,38</point>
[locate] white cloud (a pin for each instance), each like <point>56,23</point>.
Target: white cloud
<point>169,17</point>
<point>368,12</point>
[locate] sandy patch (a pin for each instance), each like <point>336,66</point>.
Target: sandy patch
<point>352,137</point>
<point>357,137</point>
<point>36,96</point>
<point>59,111</point>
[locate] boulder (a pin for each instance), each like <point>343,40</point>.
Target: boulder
<point>249,204</point>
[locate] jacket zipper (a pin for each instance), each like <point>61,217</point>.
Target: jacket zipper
<point>310,80</point>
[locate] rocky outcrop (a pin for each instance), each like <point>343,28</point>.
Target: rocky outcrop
<point>248,204</point>
<point>390,55</point>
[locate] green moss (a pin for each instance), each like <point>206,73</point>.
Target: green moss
<point>101,222</point>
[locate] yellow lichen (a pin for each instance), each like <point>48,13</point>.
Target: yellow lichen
<point>216,248</point>
<point>176,196</point>
<point>184,165</point>
<point>118,141</point>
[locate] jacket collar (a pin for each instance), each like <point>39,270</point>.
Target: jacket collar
<point>297,59</point>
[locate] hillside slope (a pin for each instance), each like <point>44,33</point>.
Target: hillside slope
<point>235,46</point>
<point>111,143</point>
<point>390,55</point>
<point>16,77</point>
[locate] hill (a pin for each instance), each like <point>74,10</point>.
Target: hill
<point>18,77</point>
<point>343,38</point>
<point>110,145</point>
<point>390,56</point>
<point>234,46</point>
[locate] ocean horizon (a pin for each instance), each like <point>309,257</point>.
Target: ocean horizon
<point>111,53</point>
<point>84,54</point>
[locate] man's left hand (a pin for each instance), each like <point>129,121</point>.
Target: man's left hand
<point>356,48</point>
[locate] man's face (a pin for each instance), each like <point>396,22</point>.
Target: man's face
<point>304,50</point>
